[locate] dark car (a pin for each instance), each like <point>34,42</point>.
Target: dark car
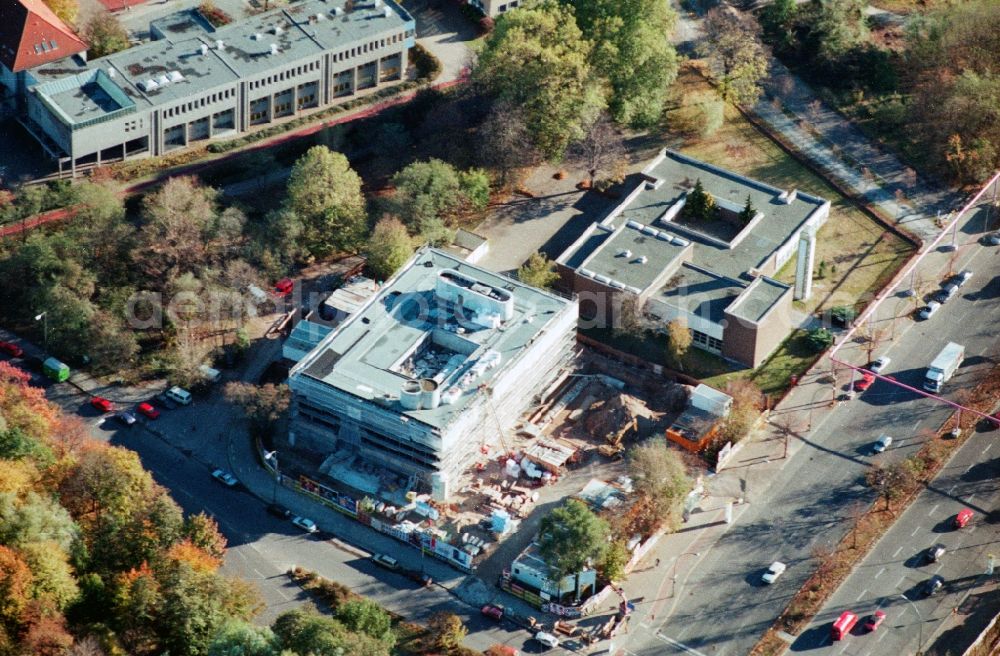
<point>933,585</point>
<point>279,510</point>
<point>934,553</point>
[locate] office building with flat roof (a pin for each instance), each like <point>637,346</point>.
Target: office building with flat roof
<point>195,82</point>
<point>410,389</point>
<point>715,274</point>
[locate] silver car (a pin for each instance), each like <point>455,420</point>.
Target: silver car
<point>929,310</point>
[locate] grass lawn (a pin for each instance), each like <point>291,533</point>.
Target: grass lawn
<point>859,256</point>
<point>792,357</point>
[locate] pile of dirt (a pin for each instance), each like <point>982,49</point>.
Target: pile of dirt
<point>609,415</point>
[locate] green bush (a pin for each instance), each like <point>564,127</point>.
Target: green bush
<point>819,339</point>
<point>428,66</point>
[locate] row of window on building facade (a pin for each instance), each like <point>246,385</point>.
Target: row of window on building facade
<point>201,102</point>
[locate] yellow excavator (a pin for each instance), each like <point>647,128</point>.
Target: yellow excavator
<point>614,447</point>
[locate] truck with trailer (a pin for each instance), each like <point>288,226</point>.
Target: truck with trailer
<point>944,367</point>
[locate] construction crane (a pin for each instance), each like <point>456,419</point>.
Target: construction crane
<point>493,412</point>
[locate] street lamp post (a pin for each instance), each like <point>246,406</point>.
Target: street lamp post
<point>44,318</point>
<point>273,456</point>
<point>920,625</point>
<point>673,570</point>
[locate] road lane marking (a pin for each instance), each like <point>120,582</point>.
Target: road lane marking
<point>863,593</point>
<point>897,552</point>
<point>902,580</point>
<point>915,531</point>
<point>988,446</point>
<point>880,572</point>
<point>884,634</point>
<point>679,645</point>
<point>952,488</point>
<point>938,568</point>
<point>969,500</point>
<point>933,510</point>
<point>916,426</point>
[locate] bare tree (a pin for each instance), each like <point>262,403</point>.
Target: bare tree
<point>856,513</point>
<point>600,149</point>
<point>505,142</point>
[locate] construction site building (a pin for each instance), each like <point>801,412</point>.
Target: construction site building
<point>412,388</point>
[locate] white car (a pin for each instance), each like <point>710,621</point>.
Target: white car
<point>929,311</point>
<point>776,569</point>
<point>878,365</point>
<point>547,639</point>
<point>963,277</point>
<point>225,478</point>
<point>307,525</point>
<point>882,443</point>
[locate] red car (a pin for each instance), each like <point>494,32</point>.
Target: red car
<point>283,287</point>
<point>874,621</point>
<point>494,612</point>
<point>963,518</point>
<point>102,404</point>
<point>866,381</point>
<point>13,350</point>
<point>148,411</point>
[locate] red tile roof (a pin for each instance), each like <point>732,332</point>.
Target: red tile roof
<point>32,35</point>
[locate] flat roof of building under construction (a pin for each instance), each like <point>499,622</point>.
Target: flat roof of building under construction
<point>408,333</point>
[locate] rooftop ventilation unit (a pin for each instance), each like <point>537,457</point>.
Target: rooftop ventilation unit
<point>663,236</point>
<point>787,197</point>
<point>387,12</point>
<point>220,45</point>
<point>175,76</point>
<point>634,290</point>
<point>649,231</point>
<point>677,241</point>
<point>603,279</point>
<point>257,36</point>
<point>634,224</point>
<point>203,48</point>
<point>642,259</point>
<point>616,284</point>
<point>586,272</point>
<point>378,3</point>
<point>625,253</point>
<point>320,17</point>
<point>338,11</point>
<point>111,73</point>
<point>150,85</point>
<point>162,80</point>
<point>274,49</point>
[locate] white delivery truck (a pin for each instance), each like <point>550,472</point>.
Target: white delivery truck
<point>944,366</point>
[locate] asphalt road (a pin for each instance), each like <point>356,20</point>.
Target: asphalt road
<point>721,606</point>
<point>896,567</point>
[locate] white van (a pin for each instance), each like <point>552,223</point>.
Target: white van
<point>179,395</point>
<point>210,374</point>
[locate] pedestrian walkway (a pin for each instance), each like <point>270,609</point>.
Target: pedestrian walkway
<point>792,109</point>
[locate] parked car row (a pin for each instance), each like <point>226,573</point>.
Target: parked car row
<point>947,292</point>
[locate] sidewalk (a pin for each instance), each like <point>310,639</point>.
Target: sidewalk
<point>791,108</point>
